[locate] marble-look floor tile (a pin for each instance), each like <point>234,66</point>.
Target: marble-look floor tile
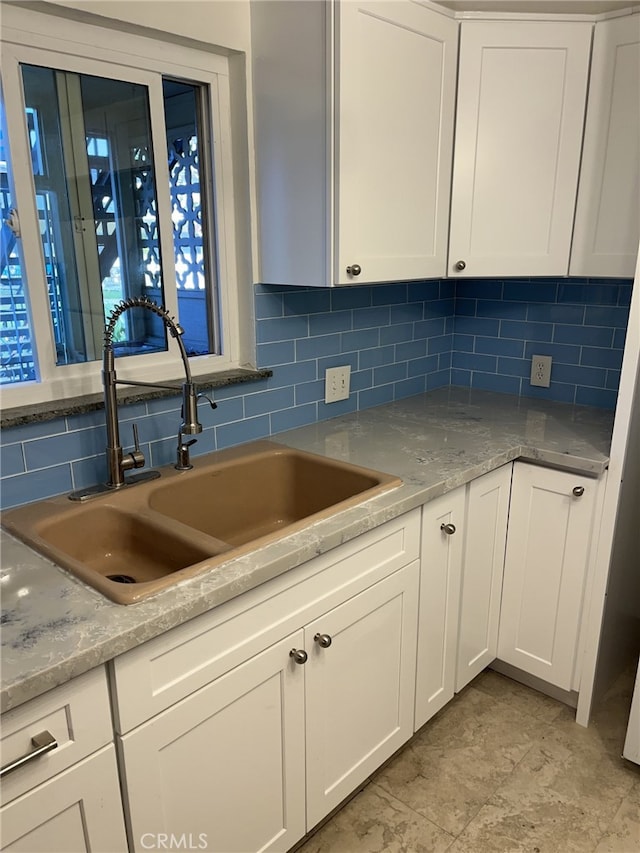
<point>623,834</point>
<point>374,822</point>
<point>501,769</point>
<point>518,696</point>
<point>561,798</point>
<point>552,826</point>
<point>591,767</point>
<point>475,718</point>
<point>448,786</point>
<point>460,758</point>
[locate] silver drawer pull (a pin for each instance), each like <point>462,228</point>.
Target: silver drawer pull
<point>449,529</point>
<point>43,742</point>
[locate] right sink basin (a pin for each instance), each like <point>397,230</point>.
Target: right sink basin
<point>245,499</point>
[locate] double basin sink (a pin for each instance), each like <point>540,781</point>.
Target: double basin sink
<point>133,542</point>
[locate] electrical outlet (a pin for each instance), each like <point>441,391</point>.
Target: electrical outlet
<point>541,370</point>
<point>336,384</point>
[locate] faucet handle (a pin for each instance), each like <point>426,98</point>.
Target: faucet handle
<point>183,462</point>
<point>134,459</point>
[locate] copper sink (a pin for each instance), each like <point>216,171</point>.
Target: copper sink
<point>136,541</point>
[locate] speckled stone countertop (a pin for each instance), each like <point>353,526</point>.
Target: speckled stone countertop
<point>54,627</point>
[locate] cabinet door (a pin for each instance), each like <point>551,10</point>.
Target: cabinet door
<point>359,688</point>
<point>548,544</point>
<point>607,230</point>
<point>77,810</point>
<point>227,762</point>
<point>441,559</point>
<point>482,567</point>
<point>395,94</point>
<point>521,101</point>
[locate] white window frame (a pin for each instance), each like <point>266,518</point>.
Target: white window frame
<point>35,38</point>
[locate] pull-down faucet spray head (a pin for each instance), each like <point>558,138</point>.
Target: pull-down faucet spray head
<point>190,423</point>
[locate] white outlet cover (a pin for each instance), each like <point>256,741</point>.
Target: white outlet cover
<point>541,371</point>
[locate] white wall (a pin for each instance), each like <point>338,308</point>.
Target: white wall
<point>620,637</point>
<point>221,23</point>
<point>613,617</point>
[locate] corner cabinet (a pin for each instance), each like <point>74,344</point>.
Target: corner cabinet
<point>607,228</point>
<point>353,112</point>
<point>551,525</point>
<point>521,99</point>
<point>506,566</point>
<point>274,707</point>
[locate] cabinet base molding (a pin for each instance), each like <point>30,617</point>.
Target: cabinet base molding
<point>569,697</point>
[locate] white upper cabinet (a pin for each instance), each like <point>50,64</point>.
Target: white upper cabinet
<point>521,99</point>
<point>395,99</point>
<point>354,112</point>
<point>607,228</point>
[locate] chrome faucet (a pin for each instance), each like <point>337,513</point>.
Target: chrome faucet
<point>119,462</point>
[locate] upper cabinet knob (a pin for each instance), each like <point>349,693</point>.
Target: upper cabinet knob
<point>460,265</point>
<point>578,491</point>
<point>354,269</point>
<point>449,529</point>
<point>323,640</point>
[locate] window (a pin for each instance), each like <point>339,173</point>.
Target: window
<point>112,169</point>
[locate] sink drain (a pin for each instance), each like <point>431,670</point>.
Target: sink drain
<point>121,578</point>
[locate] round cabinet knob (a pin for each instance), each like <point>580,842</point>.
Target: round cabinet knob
<point>299,655</point>
<point>460,265</point>
<point>323,640</point>
<point>578,491</point>
<point>449,529</point>
<point>354,269</point>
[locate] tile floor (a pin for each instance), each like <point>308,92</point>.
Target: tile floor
<point>502,768</point>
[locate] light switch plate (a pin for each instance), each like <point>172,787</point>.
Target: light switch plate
<point>336,383</point>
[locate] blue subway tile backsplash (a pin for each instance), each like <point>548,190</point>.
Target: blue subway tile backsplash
<point>580,324</point>
<point>399,339</point>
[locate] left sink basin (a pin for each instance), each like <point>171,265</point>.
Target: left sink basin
<point>123,555</point>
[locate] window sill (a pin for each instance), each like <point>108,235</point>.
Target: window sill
<point>49,411</point>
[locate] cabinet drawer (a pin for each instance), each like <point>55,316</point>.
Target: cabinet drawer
<point>159,673</point>
<point>77,715</point>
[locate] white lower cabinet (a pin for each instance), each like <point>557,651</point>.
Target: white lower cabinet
<point>551,523</point>
<point>485,539</point>
<point>441,561</point>
<point>505,568</point>
<point>225,765</point>
<point>463,541</point>
<point>255,757</point>
<point>359,689</point>
<point>76,811</point>
<point>65,799</point>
